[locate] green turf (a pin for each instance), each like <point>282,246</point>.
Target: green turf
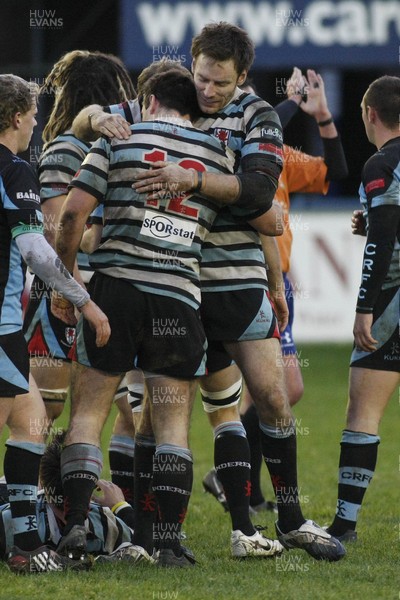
<point>370,570</point>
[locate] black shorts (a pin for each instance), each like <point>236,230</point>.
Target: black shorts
<point>238,315</point>
<point>386,330</point>
<point>45,334</point>
<point>153,332</point>
<point>14,365</point>
<point>235,316</point>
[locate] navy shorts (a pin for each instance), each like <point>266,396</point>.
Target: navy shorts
<point>235,316</point>
<point>14,365</point>
<point>153,332</point>
<point>385,330</point>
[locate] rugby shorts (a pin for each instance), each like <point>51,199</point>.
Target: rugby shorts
<point>386,330</point>
<point>153,332</point>
<point>235,316</point>
<point>14,365</point>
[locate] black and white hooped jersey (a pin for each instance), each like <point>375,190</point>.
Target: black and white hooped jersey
<point>19,213</point>
<point>232,255</point>
<point>58,164</point>
<point>154,244</point>
<point>106,532</point>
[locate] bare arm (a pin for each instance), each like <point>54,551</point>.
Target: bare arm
<point>100,122</point>
<point>271,222</point>
<point>164,175</point>
<point>51,210</point>
<point>91,238</point>
<point>76,210</point>
<point>275,279</point>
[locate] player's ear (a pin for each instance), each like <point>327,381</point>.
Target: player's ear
<point>192,65</point>
<point>16,120</point>
<point>241,78</point>
<point>371,114</point>
<point>153,104</point>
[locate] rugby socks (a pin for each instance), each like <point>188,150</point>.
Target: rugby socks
<point>172,485</point>
<point>121,452</point>
<point>279,451</point>
<point>81,466</point>
<point>232,463</point>
<point>135,396</point>
<point>145,503</point>
<point>250,423</point>
<point>21,470</point>
<point>357,463</point>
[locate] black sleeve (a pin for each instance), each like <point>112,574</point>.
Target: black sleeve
<point>127,515</point>
<point>334,159</point>
<point>286,111</point>
<point>383,224</point>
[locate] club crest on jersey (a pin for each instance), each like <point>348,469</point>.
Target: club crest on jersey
<point>70,335</point>
<point>222,134</point>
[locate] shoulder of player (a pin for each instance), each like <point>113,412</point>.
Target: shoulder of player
<point>66,143</point>
<point>16,167</point>
<point>382,163</point>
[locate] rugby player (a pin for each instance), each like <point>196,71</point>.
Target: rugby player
<point>21,239</point>
<point>306,174</point>
<point>239,317</point>
<point>78,78</point>
<point>235,309</point>
<point>109,521</point>
<point>375,360</point>
<point>127,275</point>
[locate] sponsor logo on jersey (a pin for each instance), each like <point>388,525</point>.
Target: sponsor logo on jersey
<point>374,185</point>
<point>272,132</point>
<point>30,195</point>
<point>222,134</point>
<point>271,148</point>
<point>168,228</point>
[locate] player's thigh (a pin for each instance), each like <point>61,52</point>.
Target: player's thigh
<point>27,420</point>
<point>14,372</point>
<point>369,393</point>
<point>260,362</point>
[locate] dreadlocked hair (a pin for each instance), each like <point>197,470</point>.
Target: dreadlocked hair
<point>81,78</point>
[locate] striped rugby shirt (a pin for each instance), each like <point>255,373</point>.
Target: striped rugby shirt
<point>155,245</point>
<point>232,256</point>
<point>106,531</point>
<point>58,164</point>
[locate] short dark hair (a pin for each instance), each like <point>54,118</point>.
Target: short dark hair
<point>223,41</point>
<point>50,470</point>
<point>16,95</point>
<point>384,96</point>
<point>174,90</point>
<point>158,66</point>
